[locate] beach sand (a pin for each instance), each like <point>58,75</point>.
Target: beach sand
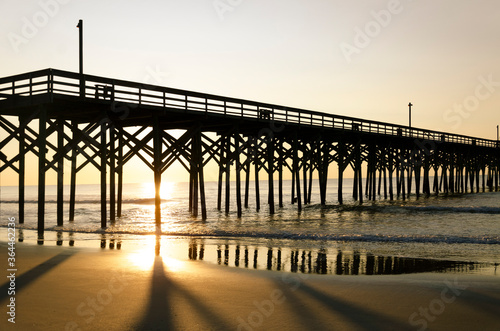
<point>70,288</point>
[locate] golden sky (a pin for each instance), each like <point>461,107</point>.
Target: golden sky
<point>364,59</point>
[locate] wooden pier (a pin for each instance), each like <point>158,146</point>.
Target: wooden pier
<point>103,122</point>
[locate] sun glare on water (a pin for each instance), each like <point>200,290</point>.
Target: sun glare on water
<point>166,189</point>
<point>143,258</point>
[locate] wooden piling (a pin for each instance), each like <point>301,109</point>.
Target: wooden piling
<point>60,171</point>
<point>256,160</point>
<point>410,164</point>
<point>103,152</point>
<point>238,175</point>
<point>270,169</point>
<point>398,175</point>
<point>228,173</point>
<point>309,187</point>
<point>296,170</point>
<point>22,167</point>
<point>222,163</point>
<point>495,174</point>
<point>360,180</point>
<point>72,189</point>
<point>247,171</point>
<point>390,170</point>
<point>120,174</point>
<point>191,189</point>
<point>42,151</point>
<point>379,182</point>
<point>201,177</point>
<point>194,172</point>
<point>304,172</point>
<point>402,173</point>
<point>451,186</point>
<point>280,173</point>
<point>435,186</point>
<point>385,182</point>
<point>341,167</point>
<point>157,166</point>
<point>112,174</point>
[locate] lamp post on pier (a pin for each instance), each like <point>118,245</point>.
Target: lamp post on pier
<point>409,107</point>
<point>82,82</point>
<point>497,138</point>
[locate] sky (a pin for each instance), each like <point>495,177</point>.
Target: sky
<point>365,59</point>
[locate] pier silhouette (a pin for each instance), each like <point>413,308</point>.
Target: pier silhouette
<point>104,122</point>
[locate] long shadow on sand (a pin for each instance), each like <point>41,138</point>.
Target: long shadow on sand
<point>362,318</point>
<point>485,303</point>
<point>159,315</point>
<point>35,273</point>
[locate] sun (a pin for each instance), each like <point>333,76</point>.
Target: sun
<point>166,189</point>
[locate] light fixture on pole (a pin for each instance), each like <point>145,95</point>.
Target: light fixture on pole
<point>498,145</point>
<point>409,107</point>
<point>82,82</point>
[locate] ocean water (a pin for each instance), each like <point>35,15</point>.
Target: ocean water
<point>438,233</point>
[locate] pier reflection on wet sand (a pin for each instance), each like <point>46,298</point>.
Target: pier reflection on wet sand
<point>323,262</point>
<point>307,261</point>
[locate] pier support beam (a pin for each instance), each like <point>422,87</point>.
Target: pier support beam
<point>323,164</point>
<point>221,172</point>
<point>112,174</point>
<point>390,173</point>
<point>120,174</point>
<point>238,174</point>
<point>42,150</point>
<point>60,171</point>
<point>296,171</point>
<point>247,171</point>
<point>72,189</point>
<point>341,153</point>
<point>270,170</point>
<point>280,172</point>
<point>227,170</point>
<point>157,166</point>
<point>201,176</point>
<point>103,152</point>
<point>256,160</point>
<point>22,167</point>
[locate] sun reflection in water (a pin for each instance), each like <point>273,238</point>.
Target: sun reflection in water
<point>143,258</point>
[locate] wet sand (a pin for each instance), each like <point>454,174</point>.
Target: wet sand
<point>72,288</point>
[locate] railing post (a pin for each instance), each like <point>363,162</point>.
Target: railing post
<point>82,86</point>
<point>50,84</point>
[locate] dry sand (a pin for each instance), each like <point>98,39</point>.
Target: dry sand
<point>69,288</point>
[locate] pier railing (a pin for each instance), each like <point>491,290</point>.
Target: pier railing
<point>58,83</point>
